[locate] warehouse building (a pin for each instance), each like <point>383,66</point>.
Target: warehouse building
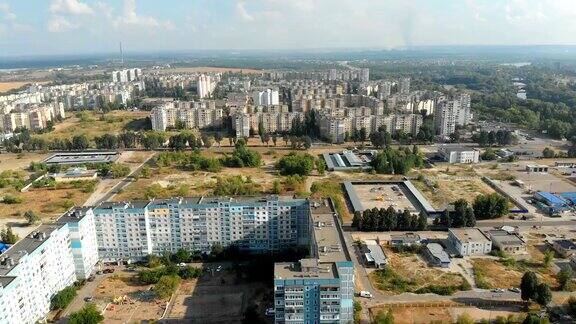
<point>469,241</point>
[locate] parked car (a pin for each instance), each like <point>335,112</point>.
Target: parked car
<point>109,270</point>
<point>91,278</point>
<point>515,290</point>
<point>219,268</point>
<point>365,294</point>
<point>88,299</point>
<point>270,311</point>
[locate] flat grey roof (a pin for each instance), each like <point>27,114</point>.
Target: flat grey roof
<point>504,238</point>
<point>377,253</point>
<point>438,252</point>
<point>25,246</point>
<point>467,235</point>
<point>82,157</point>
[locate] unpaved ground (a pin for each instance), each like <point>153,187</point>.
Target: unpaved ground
<point>138,305</point>
<point>425,315</point>
<point>12,161</point>
<point>207,69</point>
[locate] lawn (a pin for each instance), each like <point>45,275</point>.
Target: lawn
<point>407,272</point>
<point>94,124</point>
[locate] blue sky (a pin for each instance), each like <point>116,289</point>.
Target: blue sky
<point>33,27</point>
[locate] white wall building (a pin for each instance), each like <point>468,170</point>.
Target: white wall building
<point>126,75</point>
<point>469,241</point>
<point>459,154</point>
<point>451,113</point>
<point>267,97</point>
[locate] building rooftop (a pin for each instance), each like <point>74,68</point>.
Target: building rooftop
<point>74,214</point>
<point>551,198</point>
<point>327,246</point>
<point>405,238</point>
<point>374,250</point>
<point>456,148</point>
<point>82,157</point>
<point>467,235</point>
<point>9,259</point>
<point>565,244</point>
<point>438,252</point>
<point>503,237</point>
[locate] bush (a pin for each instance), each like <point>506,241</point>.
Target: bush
<point>296,164</point>
<point>89,314</point>
<point>10,199</point>
<point>63,298</point>
<point>189,272</point>
<point>242,157</point>
<point>151,276</point>
<point>235,186</point>
<point>119,170</point>
<point>166,286</point>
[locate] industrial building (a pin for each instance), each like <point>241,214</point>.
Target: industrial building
<point>469,241</point>
<point>436,255</point>
<point>507,242</point>
<point>76,158</point>
<point>407,239</point>
<point>348,160</point>
<point>565,248</point>
<point>539,168</point>
<point>374,254</point>
<point>459,154</point>
<point>551,203</point>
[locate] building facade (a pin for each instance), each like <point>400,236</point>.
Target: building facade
<point>131,231</point>
<point>43,263</point>
<point>469,241</point>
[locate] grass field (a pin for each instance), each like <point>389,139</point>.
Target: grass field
<point>490,273</point>
<point>407,272</point>
<point>425,315</point>
<point>7,86</point>
<point>93,124</point>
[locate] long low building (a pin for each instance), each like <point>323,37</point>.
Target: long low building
<point>348,160</point>
<point>75,158</point>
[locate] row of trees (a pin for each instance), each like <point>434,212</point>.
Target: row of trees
<point>388,219</point>
<point>461,214</point>
<point>500,138</point>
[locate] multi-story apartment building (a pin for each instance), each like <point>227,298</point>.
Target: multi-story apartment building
<point>266,97</point>
<point>206,85</point>
<point>469,241</point>
<point>44,262</point>
<point>318,289</point>
<point>83,242</point>
<point>273,122</point>
<point>193,115</point>
<point>451,113</point>
<point>126,75</point>
<point>131,231</point>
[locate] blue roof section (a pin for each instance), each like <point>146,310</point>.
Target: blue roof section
<point>551,198</point>
<point>571,196</point>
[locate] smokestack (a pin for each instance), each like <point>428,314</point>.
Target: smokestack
<point>121,55</point>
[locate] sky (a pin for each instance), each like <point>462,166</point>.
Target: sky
<point>73,27</point>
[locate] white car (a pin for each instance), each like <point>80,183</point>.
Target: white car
<point>365,294</point>
<point>270,311</point>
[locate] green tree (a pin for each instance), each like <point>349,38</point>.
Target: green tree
<point>31,217</point>
<point>385,318</point>
<point>548,258</point>
<point>89,314</point>
<point>276,187</point>
<point>535,319</point>
<point>464,318</point>
<point>63,298</point>
<point>548,153</point>
<point>8,236</point>
<point>166,286</point>
<point>490,206</point>
<point>294,163</point>
<point>218,138</point>
<point>543,295</point>
<point>118,170</point>
<point>528,285</point>
<point>145,172</point>
<point>564,277</point>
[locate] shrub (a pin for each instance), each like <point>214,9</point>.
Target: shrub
<point>10,199</point>
<point>296,164</point>
<point>166,286</point>
<point>63,298</point>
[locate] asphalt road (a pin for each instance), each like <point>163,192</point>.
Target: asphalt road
<point>123,183</point>
<point>524,223</point>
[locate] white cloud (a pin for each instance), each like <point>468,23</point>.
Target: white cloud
<point>130,17</point>
<point>6,12</point>
<point>72,7</point>
<point>242,12</point>
<point>59,24</point>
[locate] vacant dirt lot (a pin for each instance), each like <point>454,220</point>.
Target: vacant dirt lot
<point>450,189</point>
<point>93,124</point>
<point>425,315</point>
<point>130,301</point>
<point>491,273</point>
<point>215,298</point>
<point>7,86</point>
<point>12,161</point>
<point>408,273</point>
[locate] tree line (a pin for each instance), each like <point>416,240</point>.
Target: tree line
<point>461,214</point>
<point>397,161</point>
<point>389,219</point>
